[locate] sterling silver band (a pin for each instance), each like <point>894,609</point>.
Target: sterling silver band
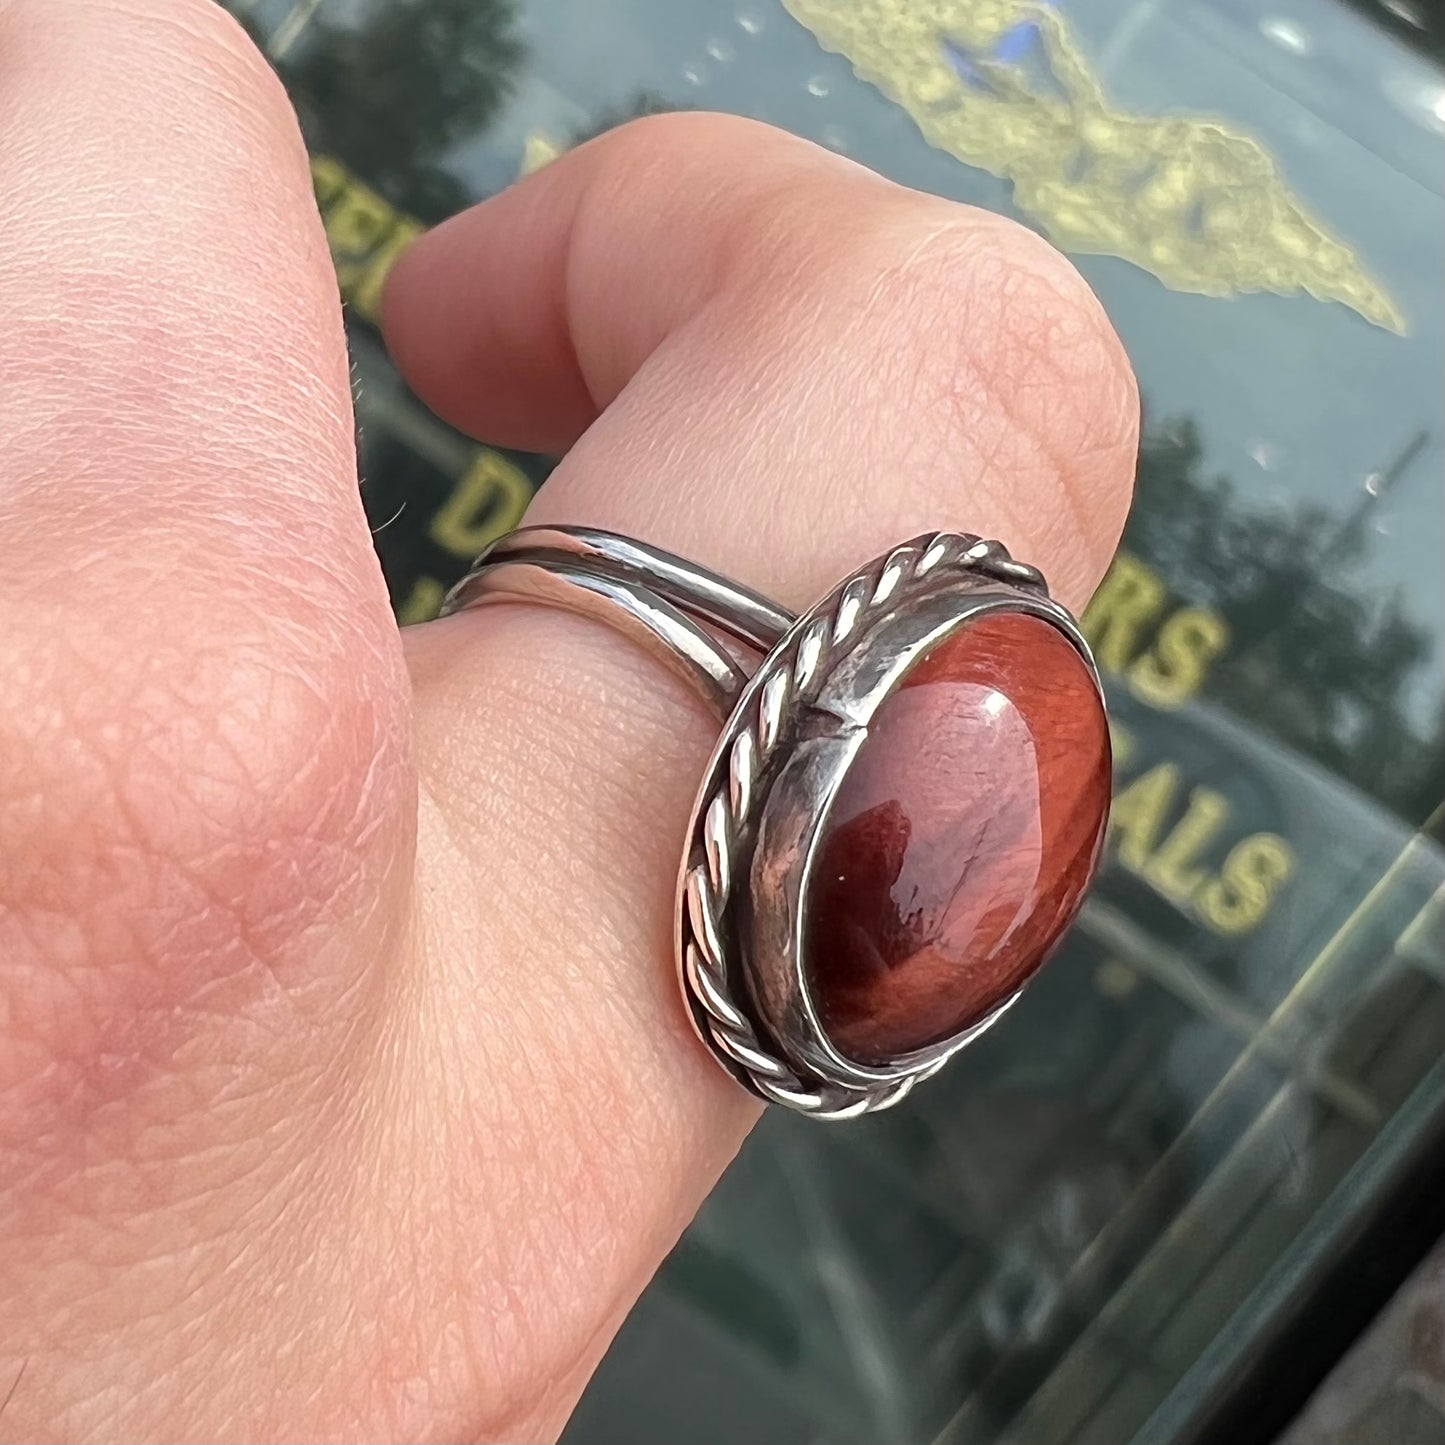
<point>789,733</point>
<point>650,595</point>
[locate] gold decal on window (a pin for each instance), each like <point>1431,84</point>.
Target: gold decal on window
<point>489,499</point>
<point>1004,85</point>
<point>538,150</point>
<point>423,602</point>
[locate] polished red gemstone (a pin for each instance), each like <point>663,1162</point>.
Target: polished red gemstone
<point>961,841</point>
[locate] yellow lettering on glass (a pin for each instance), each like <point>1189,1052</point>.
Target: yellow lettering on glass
<point>365,231</point>
<point>1252,874</point>
<point>423,602</point>
<point>1172,670</point>
<point>1138,813</point>
<point>1174,868</point>
<point>488,500</point>
<point>1129,598</point>
<point>365,292</point>
<point>538,150</point>
<point>1232,901</point>
<point>1005,85</point>
<point>329,178</point>
<point>1165,662</point>
<point>1121,742</point>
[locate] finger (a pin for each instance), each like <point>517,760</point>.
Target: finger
<point>799,372</point>
<point>525,341</point>
<point>202,681</point>
<point>204,787</point>
<point>520,319</point>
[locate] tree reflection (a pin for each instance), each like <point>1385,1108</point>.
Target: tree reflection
<point>643,103</point>
<point>1320,658</point>
<point>391,89</point>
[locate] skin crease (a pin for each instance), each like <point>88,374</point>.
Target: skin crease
<point>344,1090</point>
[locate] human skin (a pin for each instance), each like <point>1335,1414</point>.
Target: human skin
<point>344,1090</point>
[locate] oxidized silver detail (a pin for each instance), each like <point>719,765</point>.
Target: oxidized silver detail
<point>789,735</point>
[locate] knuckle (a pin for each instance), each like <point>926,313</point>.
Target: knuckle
<point>985,332</point>
<point>175,818</point>
<point>1009,342</point>
<point>199,31</point>
<point>751,173</point>
<point>1051,335</point>
<point>151,57</point>
<point>1048,310</point>
<point>1019,309</point>
<point>691,133</point>
<point>747,169</point>
<point>177,749</point>
<point>212,55</point>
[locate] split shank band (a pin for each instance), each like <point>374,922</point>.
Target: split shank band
<point>902,812</point>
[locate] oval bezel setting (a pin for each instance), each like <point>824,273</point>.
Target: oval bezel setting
<point>766,797</point>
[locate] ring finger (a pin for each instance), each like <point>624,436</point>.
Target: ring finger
<point>815,365</point>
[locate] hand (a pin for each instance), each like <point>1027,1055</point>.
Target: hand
<point>346,1091</point>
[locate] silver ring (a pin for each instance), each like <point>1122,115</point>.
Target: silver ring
<point>899,819</point>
